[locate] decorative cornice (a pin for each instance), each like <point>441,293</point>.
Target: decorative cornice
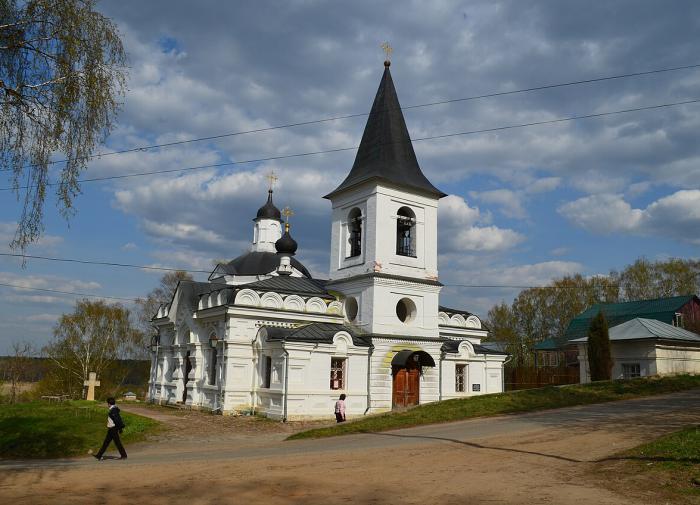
<point>380,275</point>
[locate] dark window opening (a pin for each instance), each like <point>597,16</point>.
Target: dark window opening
<point>267,372</point>
<point>212,368</point>
<point>355,232</point>
<point>459,377</point>
<point>406,232</point>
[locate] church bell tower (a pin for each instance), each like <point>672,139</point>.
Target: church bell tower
<point>384,229</point>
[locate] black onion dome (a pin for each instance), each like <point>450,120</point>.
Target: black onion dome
<point>269,211</point>
<point>286,244</point>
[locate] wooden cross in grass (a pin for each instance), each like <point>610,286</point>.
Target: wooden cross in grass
<point>91,383</point>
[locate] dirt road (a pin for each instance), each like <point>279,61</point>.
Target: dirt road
<point>533,458</point>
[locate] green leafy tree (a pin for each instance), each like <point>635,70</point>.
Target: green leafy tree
<point>62,73</point>
<point>90,339</point>
<point>503,327</point>
<point>644,279</point>
<point>599,353</point>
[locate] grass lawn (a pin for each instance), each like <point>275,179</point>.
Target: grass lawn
<point>673,460</point>
<point>505,403</point>
<point>56,430</point>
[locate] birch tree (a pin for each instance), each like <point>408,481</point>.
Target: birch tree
<point>62,74</point>
<point>90,339</point>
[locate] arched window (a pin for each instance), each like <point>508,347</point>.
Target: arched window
<point>406,232</point>
<point>355,232</point>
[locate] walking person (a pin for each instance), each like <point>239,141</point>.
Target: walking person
<point>340,409</point>
<point>115,426</point>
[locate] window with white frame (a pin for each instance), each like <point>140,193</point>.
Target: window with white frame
<point>338,373</point>
<point>460,377</point>
<point>631,370</point>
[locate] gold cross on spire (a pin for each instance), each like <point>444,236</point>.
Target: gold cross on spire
<point>287,213</point>
<point>387,50</point>
<point>271,179</point>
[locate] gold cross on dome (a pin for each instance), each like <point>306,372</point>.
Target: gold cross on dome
<point>287,213</point>
<point>387,50</point>
<point>271,179</point>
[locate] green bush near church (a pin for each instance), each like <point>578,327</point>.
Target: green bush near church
<point>511,402</point>
<point>39,429</point>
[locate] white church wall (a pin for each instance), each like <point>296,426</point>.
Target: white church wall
<point>380,304</point>
<point>389,201</point>
<point>483,373</point>
<point>341,264</point>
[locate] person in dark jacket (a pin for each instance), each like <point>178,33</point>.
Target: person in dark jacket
<point>115,426</point>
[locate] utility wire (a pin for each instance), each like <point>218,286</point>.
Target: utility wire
<point>17,286</point>
<point>362,114</point>
<point>104,263</point>
<point>327,151</point>
<point>129,265</point>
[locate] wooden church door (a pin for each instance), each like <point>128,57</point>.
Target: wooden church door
<point>406,390</point>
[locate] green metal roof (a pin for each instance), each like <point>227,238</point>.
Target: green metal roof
<point>659,309</point>
<point>547,345</point>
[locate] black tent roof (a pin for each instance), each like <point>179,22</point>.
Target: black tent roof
<point>386,151</point>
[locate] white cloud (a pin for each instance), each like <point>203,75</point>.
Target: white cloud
<point>510,202</point>
<point>42,318</point>
<point>488,238</point>
<point>459,230</point>
<point>454,211</point>
<point>603,213</point>
<point>676,215</point>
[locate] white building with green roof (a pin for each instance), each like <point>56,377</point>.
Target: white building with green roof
<point>642,347</point>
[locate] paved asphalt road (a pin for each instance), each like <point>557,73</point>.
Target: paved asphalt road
<point>664,413</point>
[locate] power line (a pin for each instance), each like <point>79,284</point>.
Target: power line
<point>328,151</point>
<point>362,114</point>
<point>104,263</point>
<point>88,295</point>
<point>170,269</point>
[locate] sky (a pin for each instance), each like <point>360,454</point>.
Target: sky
<point>525,205</point>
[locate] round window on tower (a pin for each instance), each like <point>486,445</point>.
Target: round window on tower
<point>406,310</point>
<point>351,308</point>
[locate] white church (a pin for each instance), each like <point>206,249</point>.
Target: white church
<point>262,336</point>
